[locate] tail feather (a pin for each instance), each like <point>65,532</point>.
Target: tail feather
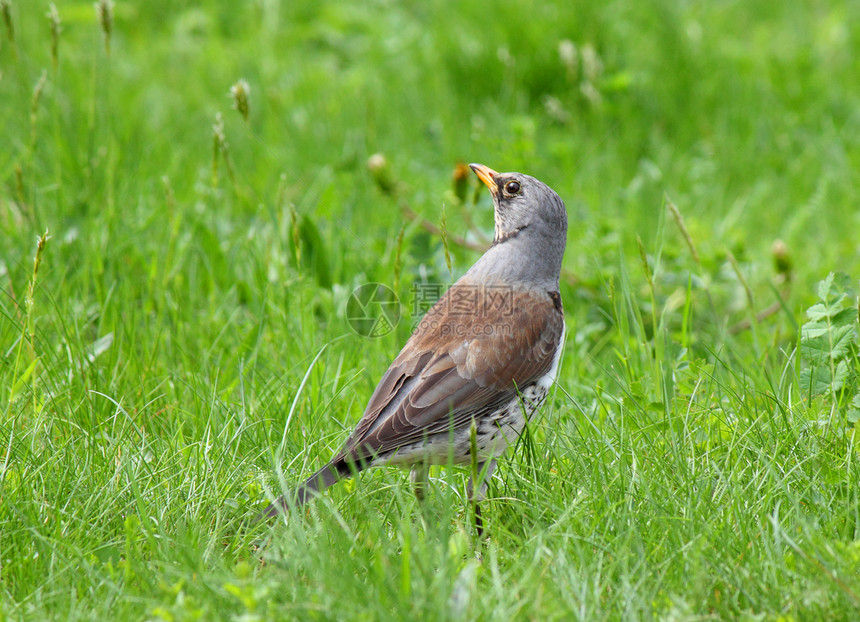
<point>330,474</point>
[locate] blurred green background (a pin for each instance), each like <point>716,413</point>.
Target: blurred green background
<point>185,353</point>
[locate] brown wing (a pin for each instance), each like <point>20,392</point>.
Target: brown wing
<point>469,355</point>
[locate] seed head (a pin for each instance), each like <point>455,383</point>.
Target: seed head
<point>569,55</point>
<point>6,10</point>
<point>104,11</point>
<point>461,180</point>
<point>56,29</point>
<point>381,172</point>
<point>240,92</point>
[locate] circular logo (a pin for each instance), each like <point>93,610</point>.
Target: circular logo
<point>373,310</point>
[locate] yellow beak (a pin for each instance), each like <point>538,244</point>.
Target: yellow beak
<point>486,175</point>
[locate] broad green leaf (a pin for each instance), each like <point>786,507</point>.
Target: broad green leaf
<point>813,330</point>
<point>854,409</point>
<point>815,381</point>
<point>825,286</point>
<point>828,342</point>
<point>823,311</point>
<point>827,345</point>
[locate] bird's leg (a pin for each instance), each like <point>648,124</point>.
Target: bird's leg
<point>419,476</point>
<point>477,490</point>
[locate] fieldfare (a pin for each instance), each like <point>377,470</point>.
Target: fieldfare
<point>481,360</point>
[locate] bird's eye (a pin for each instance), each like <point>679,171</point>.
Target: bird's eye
<point>512,187</point>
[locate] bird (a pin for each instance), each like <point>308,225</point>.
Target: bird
<point>478,364</point>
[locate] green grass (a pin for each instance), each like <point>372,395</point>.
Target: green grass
<point>190,302</point>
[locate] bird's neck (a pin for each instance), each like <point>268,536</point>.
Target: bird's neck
<point>522,260</point>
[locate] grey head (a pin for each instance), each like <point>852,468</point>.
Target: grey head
<point>530,231</point>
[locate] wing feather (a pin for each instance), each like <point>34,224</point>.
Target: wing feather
<point>457,366</point>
